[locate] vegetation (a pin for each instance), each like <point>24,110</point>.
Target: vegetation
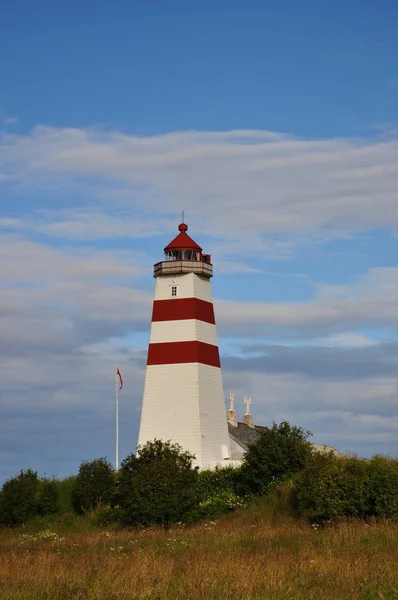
<point>65,493</point>
<point>158,486</point>
<point>247,555</point>
<point>280,452</point>
<point>216,494</point>
<point>26,496</point>
<point>333,486</point>
<point>95,485</point>
<point>291,523</point>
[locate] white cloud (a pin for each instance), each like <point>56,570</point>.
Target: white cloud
<point>11,223</point>
<point>238,185</point>
<point>10,121</point>
<point>24,261</point>
<point>369,301</point>
<point>346,340</point>
<point>56,301</point>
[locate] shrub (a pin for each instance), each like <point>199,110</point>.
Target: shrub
<point>215,505</point>
<point>318,488</point>
<point>383,477</point>
<point>48,497</point>
<point>158,486</point>
<point>108,515</point>
<point>221,479</point>
<point>216,494</point>
<point>279,502</point>
<point>65,492</point>
<point>333,486</point>
<point>94,486</point>
<point>279,453</point>
<point>26,496</point>
<point>18,498</point>
<point>355,487</point>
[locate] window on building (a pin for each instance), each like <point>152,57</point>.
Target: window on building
<point>174,290</point>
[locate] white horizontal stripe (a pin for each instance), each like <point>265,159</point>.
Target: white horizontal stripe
<point>188,286</point>
<point>184,330</point>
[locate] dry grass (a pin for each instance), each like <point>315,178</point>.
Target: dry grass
<point>246,557</point>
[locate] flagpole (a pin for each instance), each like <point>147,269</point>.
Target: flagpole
<point>117,420</point>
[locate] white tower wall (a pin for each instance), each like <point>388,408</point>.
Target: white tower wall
<point>183,394</point>
<point>190,285</point>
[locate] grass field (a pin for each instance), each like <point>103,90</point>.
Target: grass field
<point>247,556</point>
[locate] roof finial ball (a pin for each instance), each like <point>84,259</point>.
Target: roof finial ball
<point>183,227</point>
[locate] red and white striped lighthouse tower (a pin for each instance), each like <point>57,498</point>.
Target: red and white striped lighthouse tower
<point>183,394</point>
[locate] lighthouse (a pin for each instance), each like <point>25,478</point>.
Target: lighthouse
<point>183,397</point>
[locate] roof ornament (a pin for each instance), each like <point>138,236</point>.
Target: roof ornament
<point>247,417</point>
<point>231,414</point>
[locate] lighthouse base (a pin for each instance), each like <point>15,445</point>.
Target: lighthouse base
<point>184,403</point>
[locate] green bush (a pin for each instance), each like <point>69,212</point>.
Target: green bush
<point>279,453</point>
<point>108,515</point>
<point>355,487</point>
<point>48,497</point>
<point>279,502</point>
<point>333,486</point>
<point>216,494</point>
<point>383,476</point>
<point>318,488</point>
<point>158,486</point>
<point>26,496</point>
<point>215,505</point>
<point>219,480</point>
<point>95,485</point>
<point>65,492</point>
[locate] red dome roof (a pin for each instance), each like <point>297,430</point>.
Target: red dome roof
<point>183,241</point>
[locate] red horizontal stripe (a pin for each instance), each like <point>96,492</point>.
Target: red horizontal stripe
<point>177,309</point>
<point>171,353</point>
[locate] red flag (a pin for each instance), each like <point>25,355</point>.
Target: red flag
<point>120,378</point>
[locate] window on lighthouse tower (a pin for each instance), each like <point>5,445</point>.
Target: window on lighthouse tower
<point>174,290</point>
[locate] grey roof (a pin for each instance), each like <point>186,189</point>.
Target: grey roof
<point>244,435</point>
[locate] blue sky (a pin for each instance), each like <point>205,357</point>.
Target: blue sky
<point>274,125</point>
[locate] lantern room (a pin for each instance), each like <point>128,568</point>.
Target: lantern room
<point>184,255</point>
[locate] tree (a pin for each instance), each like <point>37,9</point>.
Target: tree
<point>25,496</point>
<point>158,486</point>
<point>279,452</point>
<point>94,486</point>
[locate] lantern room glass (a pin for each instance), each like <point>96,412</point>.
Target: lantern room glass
<point>191,255</point>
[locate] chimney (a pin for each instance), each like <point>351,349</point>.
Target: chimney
<point>247,417</point>
<point>231,414</point>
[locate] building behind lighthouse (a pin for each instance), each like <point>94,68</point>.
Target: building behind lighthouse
<point>183,397</point>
